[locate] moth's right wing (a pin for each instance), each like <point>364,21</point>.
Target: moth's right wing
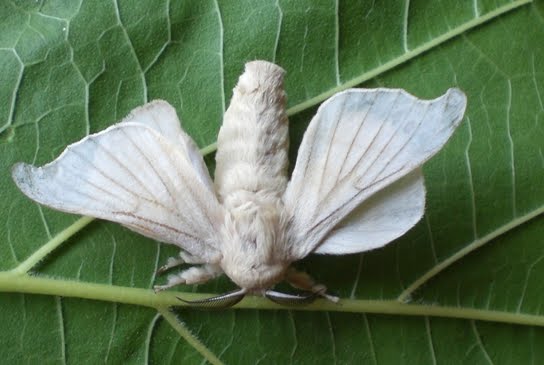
<point>133,174</point>
<point>360,142</point>
<point>380,219</point>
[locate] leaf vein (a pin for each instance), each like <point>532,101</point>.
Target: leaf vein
<point>480,343</point>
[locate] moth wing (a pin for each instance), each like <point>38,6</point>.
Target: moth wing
<point>130,174</point>
<point>380,219</point>
<point>162,117</point>
<point>359,142</point>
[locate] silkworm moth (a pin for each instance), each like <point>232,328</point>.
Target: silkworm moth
<point>356,186</point>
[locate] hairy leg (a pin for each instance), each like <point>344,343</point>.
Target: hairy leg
<point>184,258</point>
<point>193,275</point>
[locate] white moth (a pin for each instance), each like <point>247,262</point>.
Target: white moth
<point>356,186</point>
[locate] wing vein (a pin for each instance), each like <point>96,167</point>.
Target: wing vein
<point>348,152</point>
<point>160,224</point>
<point>121,164</point>
<point>373,142</point>
<point>352,199</point>
<point>87,181</point>
<point>369,147</point>
<point>189,185</point>
<point>103,173</point>
<point>109,178</point>
<point>393,135</point>
<point>159,176</point>
<point>329,147</point>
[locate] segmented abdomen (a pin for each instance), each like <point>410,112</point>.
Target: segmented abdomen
<point>252,145</point>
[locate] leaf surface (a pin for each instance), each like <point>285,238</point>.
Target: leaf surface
<point>69,69</point>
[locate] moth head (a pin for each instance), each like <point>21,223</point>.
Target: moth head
<point>254,276</point>
<point>253,255</point>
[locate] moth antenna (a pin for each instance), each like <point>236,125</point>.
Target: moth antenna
<point>222,301</point>
<point>290,299</point>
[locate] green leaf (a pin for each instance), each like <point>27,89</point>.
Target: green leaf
<point>463,286</point>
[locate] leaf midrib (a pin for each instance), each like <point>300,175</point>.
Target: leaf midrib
<point>146,297</point>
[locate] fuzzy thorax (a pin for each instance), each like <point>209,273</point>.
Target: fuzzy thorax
<point>253,244</point>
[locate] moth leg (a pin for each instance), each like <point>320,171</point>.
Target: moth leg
<point>303,281</point>
<point>193,275</point>
<point>190,259</point>
<point>184,258</point>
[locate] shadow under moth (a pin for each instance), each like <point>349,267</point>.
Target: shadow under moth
<point>356,186</point>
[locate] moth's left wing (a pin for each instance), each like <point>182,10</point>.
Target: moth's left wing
<point>138,174</point>
<point>360,142</point>
<point>162,117</point>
